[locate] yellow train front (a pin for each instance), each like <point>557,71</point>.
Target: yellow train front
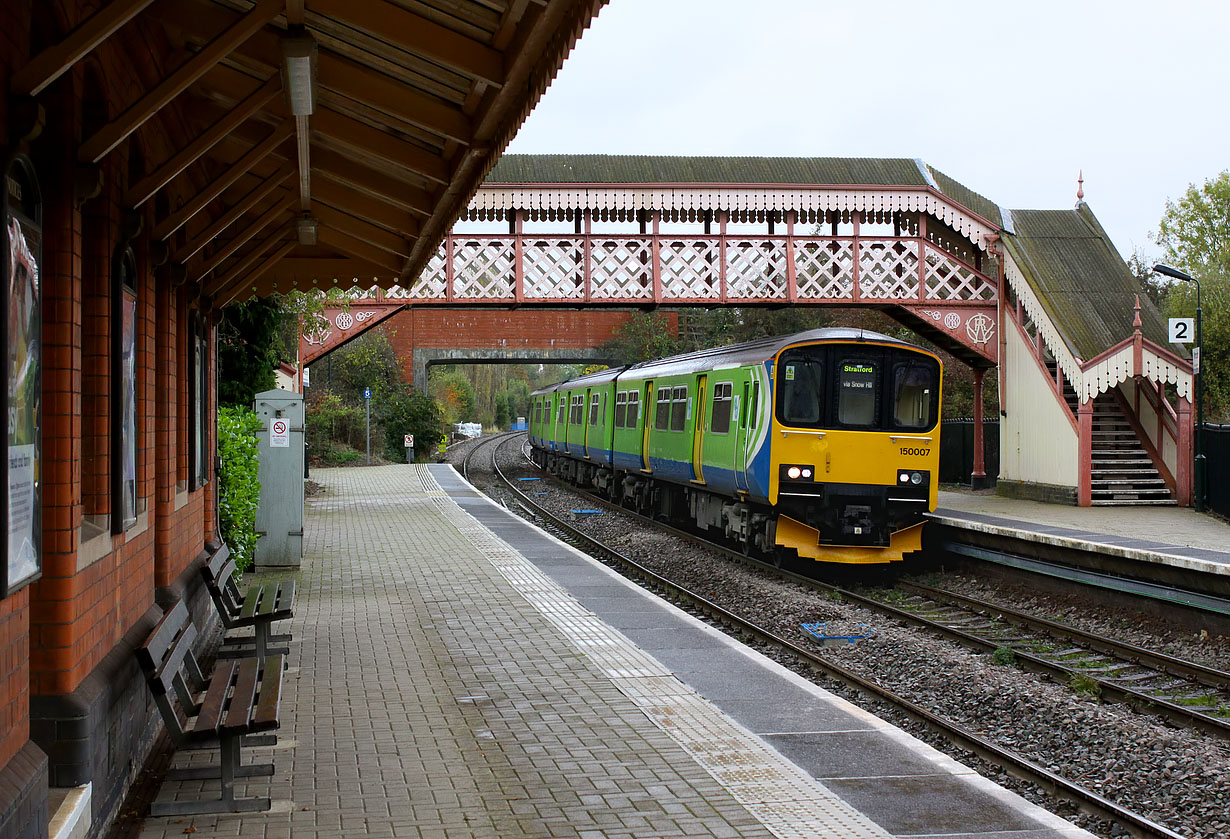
<point>825,442</point>
<point>854,448</point>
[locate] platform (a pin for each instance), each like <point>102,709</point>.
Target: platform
<point>1175,536</point>
<point>456,672</point>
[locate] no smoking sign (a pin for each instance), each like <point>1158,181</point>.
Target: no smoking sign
<point>279,434</point>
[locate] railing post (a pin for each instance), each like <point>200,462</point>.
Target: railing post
<point>1183,457</point>
<point>722,287</point>
<point>855,291</point>
<point>792,278</point>
<point>978,478</point>
<point>657,259</point>
<point>922,258</point>
<point>450,271</point>
<point>518,256</point>
<point>1084,459</point>
<point>587,253</point>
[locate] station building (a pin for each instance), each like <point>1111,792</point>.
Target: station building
<point>156,157</point>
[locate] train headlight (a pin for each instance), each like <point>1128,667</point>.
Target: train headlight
<point>904,477</point>
<point>917,477</point>
<point>797,472</point>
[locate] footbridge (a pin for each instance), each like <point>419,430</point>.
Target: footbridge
<point>1095,406</point>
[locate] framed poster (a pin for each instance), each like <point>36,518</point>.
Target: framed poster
<point>21,247</point>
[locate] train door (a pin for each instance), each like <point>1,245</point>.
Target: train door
<point>589,422</point>
<point>743,409</point>
<point>698,431</point>
<point>645,407</point>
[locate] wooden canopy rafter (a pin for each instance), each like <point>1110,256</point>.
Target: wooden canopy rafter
<point>408,105</point>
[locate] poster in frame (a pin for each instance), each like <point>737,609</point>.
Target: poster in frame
<point>21,397</point>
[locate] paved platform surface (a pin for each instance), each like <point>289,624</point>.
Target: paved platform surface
<point>1178,535</point>
<point>444,685</point>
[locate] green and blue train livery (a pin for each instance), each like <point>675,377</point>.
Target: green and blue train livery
<point>825,442</point>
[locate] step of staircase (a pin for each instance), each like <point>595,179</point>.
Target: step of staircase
<point>1122,471</point>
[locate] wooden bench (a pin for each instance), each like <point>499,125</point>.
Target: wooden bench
<point>242,697</point>
<point>259,607</point>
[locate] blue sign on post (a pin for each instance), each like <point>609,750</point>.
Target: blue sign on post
<point>367,393</point>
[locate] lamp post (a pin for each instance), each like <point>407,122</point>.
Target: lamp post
<point>1198,469</point>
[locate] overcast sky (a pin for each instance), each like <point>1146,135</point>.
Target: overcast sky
<point>1010,98</point>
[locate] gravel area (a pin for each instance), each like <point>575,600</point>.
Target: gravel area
<point>1175,777</point>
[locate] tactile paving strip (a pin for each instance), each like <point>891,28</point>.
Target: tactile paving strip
<point>781,796</point>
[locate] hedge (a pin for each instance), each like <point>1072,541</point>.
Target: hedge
<point>239,486</point>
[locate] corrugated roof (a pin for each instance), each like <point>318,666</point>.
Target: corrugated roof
<point>649,169</point>
<point>966,197</point>
<point>1080,279</point>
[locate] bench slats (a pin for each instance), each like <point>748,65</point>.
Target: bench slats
<point>212,708</point>
<point>266,714</point>
<point>239,714</point>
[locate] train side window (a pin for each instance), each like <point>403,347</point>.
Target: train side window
<point>621,409</point>
<point>857,380</point>
<point>578,409</point>
<point>722,398</point>
<point>754,408</point>
<point>537,413</point>
<point>914,386</point>
<point>679,408</point>
<point>662,419</point>
<point>560,416</point>
<point>747,404</point>
<point>594,401</point>
<point>634,408</point>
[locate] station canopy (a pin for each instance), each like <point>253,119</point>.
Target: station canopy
<point>325,139</point>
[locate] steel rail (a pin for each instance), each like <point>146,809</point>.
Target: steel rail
<point>1016,765</point>
<point>1181,668</point>
<point>1139,700</point>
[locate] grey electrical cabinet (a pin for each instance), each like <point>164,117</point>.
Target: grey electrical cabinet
<point>279,515</point>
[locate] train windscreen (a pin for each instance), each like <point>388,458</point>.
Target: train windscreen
<point>860,388</point>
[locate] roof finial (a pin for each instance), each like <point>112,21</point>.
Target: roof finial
<point>1136,320</point>
<point>1080,186</point>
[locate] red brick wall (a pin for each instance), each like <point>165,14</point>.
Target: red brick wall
<point>425,326</point>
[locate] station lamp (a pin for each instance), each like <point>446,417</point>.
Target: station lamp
<point>1199,464</point>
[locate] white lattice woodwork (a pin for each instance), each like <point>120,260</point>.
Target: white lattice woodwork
<point>622,268</point>
<point>824,270</point>
<point>888,269</point>
<point>756,269</point>
<point>483,268</point>
<point>430,285</point>
<point>553,269</point>
<point>948,279</point>
<point>690,269</point>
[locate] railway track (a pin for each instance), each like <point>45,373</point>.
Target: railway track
<point>1085,799</point>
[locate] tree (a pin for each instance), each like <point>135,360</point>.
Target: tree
<point>1194,233</point>
<point>250,345</point>
<point>454,392</point>
<point>643,337</point>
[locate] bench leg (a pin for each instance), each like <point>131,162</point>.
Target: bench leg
<point>230,768</point>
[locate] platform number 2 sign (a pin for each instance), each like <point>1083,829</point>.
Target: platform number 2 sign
<point>1182,330</point>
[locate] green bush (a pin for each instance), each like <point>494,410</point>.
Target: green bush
<point>407,411</point>
<point>239,487</point>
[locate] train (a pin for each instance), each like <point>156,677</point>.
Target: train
<point>823,443</point>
